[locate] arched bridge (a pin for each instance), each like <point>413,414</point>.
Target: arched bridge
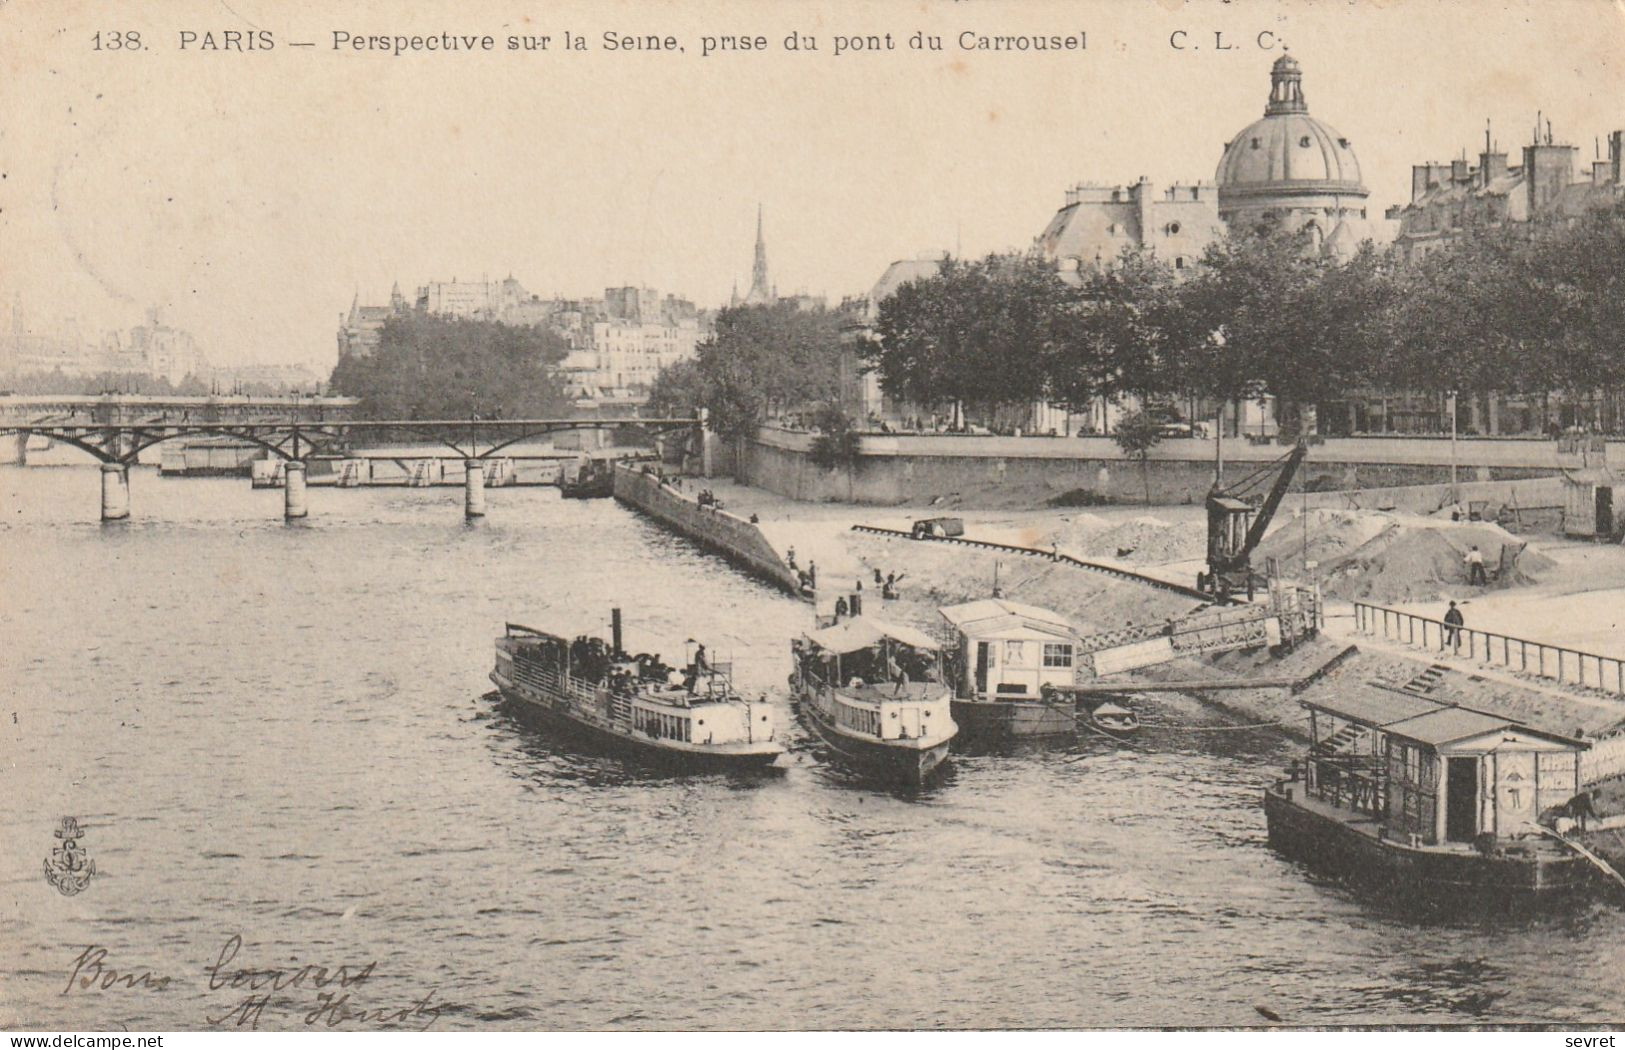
<point>476,439</point>
<point>115,431</point>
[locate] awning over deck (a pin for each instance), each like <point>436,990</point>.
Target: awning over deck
<point>1372,706</point>
<point>1453,725</point>
<point>852,635</point>
<point>1419,719</point>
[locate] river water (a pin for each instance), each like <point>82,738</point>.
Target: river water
<point>282,734</point>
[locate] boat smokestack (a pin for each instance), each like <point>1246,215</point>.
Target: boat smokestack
<point>615,630</point>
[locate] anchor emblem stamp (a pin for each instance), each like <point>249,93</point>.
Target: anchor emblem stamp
<point>69,868</point>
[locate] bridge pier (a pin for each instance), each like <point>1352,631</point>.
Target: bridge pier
<point>473,489</point>
<point>293,491</point>
<point>115,492</point>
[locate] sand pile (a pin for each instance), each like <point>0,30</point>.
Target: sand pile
<point>939,574</point>
<point>1321,535</point>
<point>1075,531</point>
<point>1146,541</point>
<point>1416,559</point>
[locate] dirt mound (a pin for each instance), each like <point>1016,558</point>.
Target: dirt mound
<point>1075,532</point>
<point>939,574</point>
<point>1408,561</point>
<point>1146,541</point>
<point>1320,536</point>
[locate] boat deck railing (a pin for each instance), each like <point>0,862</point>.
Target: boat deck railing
<point>1347,785</point>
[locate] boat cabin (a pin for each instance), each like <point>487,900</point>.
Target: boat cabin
<point>1005,650</point>
<point>1432,774</point>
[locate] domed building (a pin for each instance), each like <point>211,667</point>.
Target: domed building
<point>1291,167</point>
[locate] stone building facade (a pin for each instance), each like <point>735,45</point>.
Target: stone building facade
<point>1097,223</point>
<point>1448,200</point>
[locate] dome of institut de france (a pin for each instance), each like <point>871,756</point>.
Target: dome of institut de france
<point>1289,163</point>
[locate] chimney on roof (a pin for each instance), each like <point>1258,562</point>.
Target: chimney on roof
<point>1616,154</point>
<point>1458,170</point>
<point>1547,168</point>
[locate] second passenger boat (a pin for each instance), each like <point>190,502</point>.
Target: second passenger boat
<point>873,692</point>
<point>634,704</point>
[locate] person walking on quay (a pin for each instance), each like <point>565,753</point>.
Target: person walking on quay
<point>1475,567</point>
<point>1453,622</point>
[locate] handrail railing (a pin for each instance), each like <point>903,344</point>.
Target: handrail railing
<point>1557,662</point>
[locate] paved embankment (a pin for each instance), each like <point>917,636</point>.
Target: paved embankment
<point>735,538</point>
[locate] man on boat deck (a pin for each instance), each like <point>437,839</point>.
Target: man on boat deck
<point>696,669</point>
<point>894,671</point>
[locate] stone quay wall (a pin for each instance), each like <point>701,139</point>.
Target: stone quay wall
<point>893,469</point>
<point>733,537</point>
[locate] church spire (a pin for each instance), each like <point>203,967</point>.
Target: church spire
<point>760,292</point>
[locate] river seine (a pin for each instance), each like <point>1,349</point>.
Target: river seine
<point>279,738</point>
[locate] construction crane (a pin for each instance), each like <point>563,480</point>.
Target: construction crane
<point>1235,525</point>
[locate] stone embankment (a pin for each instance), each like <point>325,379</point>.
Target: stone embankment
<point>735,538</point>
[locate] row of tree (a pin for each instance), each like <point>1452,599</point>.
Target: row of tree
<point>430,367</point>
<point>1522,308</point>
<point>759,362</point>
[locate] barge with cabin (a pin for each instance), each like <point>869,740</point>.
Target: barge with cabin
<point>1440,803</point>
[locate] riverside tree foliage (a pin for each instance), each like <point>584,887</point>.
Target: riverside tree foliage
<point>1522,308</point>
<point>761,360</point>
<point>430,367</point>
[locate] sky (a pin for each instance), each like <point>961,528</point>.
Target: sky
<point>251,195</point>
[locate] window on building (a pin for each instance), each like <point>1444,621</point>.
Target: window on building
<point>1304,142</point>
<point>1173,229</point>
<point>1057,654</point>
<point>1014,654</point>
<point>1179,262</point>
<point>1256,144</point>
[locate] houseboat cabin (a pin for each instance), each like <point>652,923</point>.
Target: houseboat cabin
<point>1002,656</point>
<point>1447,798</point>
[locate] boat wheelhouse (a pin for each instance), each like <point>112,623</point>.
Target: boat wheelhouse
<point>1440,801</point>
<point>634,704</point>
<point>1005,658</point>
<point>873,692</point>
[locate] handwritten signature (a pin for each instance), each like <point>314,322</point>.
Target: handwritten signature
<point>331,987</point>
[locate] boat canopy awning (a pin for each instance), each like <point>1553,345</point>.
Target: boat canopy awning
<point>853,635</point>
<point>1371,706</point>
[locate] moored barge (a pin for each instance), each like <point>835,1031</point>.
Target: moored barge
<point>1435,803</point>
<point>873,692</point>
<point>1005,659</point>
<point>635,704</point>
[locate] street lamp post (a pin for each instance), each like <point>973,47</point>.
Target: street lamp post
<point>1455,496</point>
